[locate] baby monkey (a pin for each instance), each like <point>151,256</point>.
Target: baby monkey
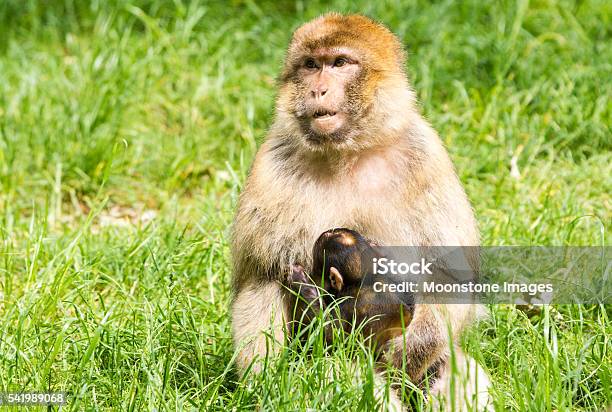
<point>342,264</point>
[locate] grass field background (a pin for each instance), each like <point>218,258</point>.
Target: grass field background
<point>127,129</point>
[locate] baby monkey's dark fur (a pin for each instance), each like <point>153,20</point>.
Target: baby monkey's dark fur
<point>342,265</point>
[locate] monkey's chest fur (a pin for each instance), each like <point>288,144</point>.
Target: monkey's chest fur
<point>281,213</point>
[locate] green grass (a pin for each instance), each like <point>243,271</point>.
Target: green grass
<point>126,131</point>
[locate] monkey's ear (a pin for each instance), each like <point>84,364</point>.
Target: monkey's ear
<point>336,279</point>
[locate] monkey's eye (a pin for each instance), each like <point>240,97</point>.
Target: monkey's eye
<point>340,61</point>
<point>310,64</point>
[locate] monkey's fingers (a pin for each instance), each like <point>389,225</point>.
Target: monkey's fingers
<point>297,275</point>
<point>301,284</point>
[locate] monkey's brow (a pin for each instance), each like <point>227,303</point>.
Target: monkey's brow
<point>334,51</point>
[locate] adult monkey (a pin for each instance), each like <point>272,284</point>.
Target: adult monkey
<point>348,148</point>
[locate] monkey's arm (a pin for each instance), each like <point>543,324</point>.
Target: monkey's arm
<point>256,309</point>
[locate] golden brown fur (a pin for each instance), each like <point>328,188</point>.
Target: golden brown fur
<point>388,177</point>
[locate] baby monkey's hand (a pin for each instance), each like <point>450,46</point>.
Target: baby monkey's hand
<point>301,284</point>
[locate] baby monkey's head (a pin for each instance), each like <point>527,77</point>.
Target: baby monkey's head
<point>341,256</point>
<point>342,263</point>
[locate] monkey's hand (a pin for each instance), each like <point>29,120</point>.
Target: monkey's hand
<point>301,284</point>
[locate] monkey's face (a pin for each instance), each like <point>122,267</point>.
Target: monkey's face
<point>342,82</point>
<point>323,82</point>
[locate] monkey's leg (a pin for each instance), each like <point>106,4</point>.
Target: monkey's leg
<point>426,345</point>
<point>259,319</point>
<point>387,397</point>
<point>424,341</point>
<point>461,384</point>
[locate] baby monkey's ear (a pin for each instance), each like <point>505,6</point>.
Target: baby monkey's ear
<point>336,279</point>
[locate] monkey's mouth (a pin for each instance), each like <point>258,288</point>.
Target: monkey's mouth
<point>323,114</point>
<point>324,122</point>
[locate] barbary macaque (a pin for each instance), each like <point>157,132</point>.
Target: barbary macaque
<point>341,258</point>
<point>347,148</point>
